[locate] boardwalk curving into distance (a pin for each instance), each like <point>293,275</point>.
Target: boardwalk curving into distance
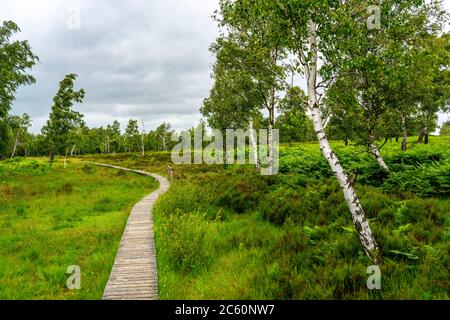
<point>134,274</point>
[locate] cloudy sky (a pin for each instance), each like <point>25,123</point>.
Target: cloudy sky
<point>135,59</point>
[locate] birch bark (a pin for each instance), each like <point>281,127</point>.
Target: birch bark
<point>358,215</point>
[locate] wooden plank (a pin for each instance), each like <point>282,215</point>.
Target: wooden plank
<point>134,273</point>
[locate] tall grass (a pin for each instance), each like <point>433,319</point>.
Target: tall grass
<point>52,218</point>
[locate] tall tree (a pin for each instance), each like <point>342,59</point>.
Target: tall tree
<point>246,74</point>
<point>16,59</point>
<point>445,129</point>
<point>132,136</point>
<point>63,120</point>
<point>19,127</point>
<point>316,36</point>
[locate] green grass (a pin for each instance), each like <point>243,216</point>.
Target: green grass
<point>230,233</point>
<point>233,234</point>
<point>52,218</point>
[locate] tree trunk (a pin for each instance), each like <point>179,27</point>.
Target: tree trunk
<point>405,134</point>
<point>15,146</point>
<point>426,139</point>
<point>376,153</point>
<point>72,150</point>
<point>254,144</point>
<point>346,141</point>
<point>52,157</point>
<point>142,146</point>
<point>358,215</point>
<point>270,138</point>
<point>405,141</point>
<point>421,135</point>
<point>65,159</point>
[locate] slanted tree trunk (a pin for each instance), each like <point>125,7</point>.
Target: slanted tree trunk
<point>254,144</point>
<point>376,153</point>
<point>72,150</point>
<point>15,145</point>
<point>358,215</point>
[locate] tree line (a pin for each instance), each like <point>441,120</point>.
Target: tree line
<point>65,132</point>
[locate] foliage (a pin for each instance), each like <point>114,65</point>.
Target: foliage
<point>16,59</point>
<point>62,124</point>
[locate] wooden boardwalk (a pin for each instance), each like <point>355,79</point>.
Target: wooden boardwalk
<point>134,274</point>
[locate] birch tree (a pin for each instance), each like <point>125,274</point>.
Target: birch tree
<point>59,129</point>
<point>315,35</point>
<point>234,103</point>
<point>19,126</point>
<point>247,81</point>
<point>16,60</point>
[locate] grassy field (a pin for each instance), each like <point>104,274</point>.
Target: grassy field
<point>233,234</point>
<point>230,233</point>
<point>52,218</point>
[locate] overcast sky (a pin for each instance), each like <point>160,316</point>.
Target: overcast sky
<point>135,59</point>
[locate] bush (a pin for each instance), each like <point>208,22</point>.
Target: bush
<point>66,188</point>
<point>186,241</point>
<point>24,166</point>
<point>89,169</point>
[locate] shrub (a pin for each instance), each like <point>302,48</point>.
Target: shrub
<point>186,241</point>
<point>89,169</point>
<point>66,188</point>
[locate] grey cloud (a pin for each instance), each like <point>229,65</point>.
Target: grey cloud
<point>135,59</point>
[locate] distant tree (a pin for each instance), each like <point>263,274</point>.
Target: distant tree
<point>16,59</point>
<point>59,130</point>
<point>115,137</point>
<point>164,136</point>
<point>432,74</point>
<point>247,78</point>
<point>19,127</point>
<point>132,136</point>
<point>293,122</point>
<point>445,129</point>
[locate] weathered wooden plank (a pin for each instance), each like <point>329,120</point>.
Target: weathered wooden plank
<point>134,273</point>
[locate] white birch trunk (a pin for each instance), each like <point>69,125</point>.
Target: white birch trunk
<point>15,146</point>
<point>254,144</point>
<point>142,146</point>
<point>358,215</point>
<point>270,142</point>
<point>376,153</point>
<point>65,160</point>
